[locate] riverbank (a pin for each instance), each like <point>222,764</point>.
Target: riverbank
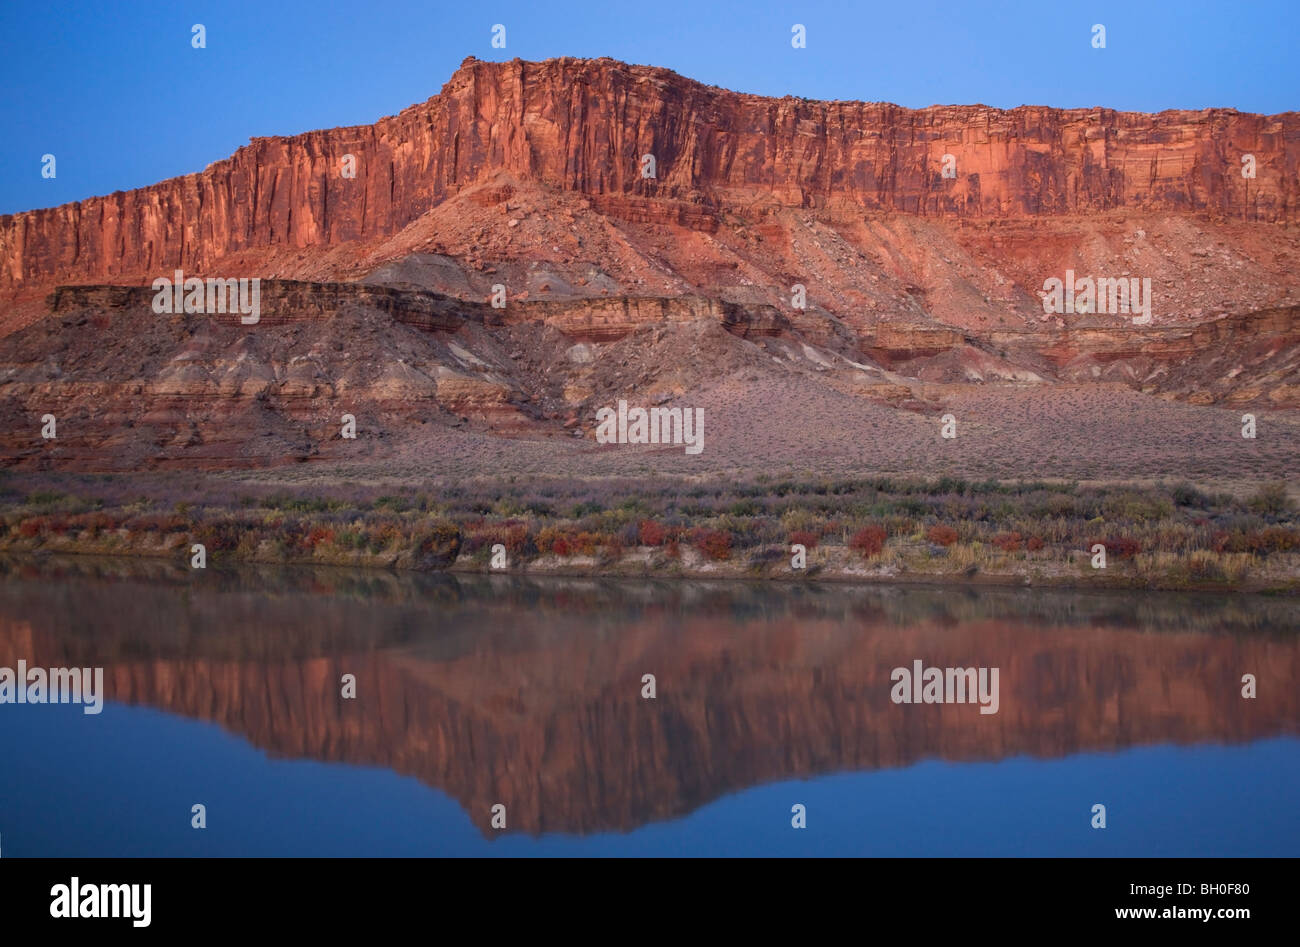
<point>864,531</point>
<point>1278,575</point>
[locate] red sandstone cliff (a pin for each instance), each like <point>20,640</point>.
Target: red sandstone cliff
<point>582,125</point>
<point>922,291</point>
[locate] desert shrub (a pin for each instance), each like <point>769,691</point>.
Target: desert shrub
<point>437,546</point>
<point>1222,541</point>
<point>349,539</point>
<point>478,538</point>
<point>538,507</point>
<point>1007,542</point>
<point>1122,547</point>
<point>290,537</point>
<point>1185,494</point>
<point>1270,539</point>
<point>518,542</point>
<point>475,538</point>
<point>1205,567</point>
<point>797,517</point>
<point>913,506</point>
<point>713,543</point>
<point>384,536</point>
<point>317,535</point>
<point>804,537</point>
<point>1271,499</point>
<point>292,504</point>
<point>546,539</point>
<point>869,540</point>
<point>585,543</point>
<point>45,497</point>
<point>745,531</point>
<point>94,523</point>
<point>1118,547</point>
<point>220,534</point>
<point>508,506</point>
<point>1135,507</point>
<point>762,558</point>
<point>941,535</point>
<point>612,545</point>
<point>1055,504</point>
<point>156,523</point>
<point>651,533</point>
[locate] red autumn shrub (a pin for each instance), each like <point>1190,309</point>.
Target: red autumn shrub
<point>30,528</point>
<point>156,523</point>
<point>547,536</point>
<point>714,543</point>
<point>1034,544</point>
<point>1118,547</point>
<point>1271,539</point>
<point>941,535</point>
<point>1123,547</point>
<point>384,536</point>
<point>219,535</point>
<point>94,522</point>
<point>652,534</point>
<point>518,542</point>
<point>804,537</point>
<point>560,546</point>
<point>318,535</point>
<point>869,540</point>
<point>1007,542</point>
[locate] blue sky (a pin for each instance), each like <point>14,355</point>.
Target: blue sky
<point>116,92</point>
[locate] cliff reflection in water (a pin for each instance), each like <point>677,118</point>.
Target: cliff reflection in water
<point>529,692</point>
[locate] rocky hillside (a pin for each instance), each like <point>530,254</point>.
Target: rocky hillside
<point>430,379</point>
<point>800,269</point>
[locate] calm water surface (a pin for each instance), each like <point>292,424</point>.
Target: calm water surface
<point>224,689</point>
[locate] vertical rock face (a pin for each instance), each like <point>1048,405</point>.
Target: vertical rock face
<point>583,125</point>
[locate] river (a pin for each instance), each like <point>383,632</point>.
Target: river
<point>489,700</point>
